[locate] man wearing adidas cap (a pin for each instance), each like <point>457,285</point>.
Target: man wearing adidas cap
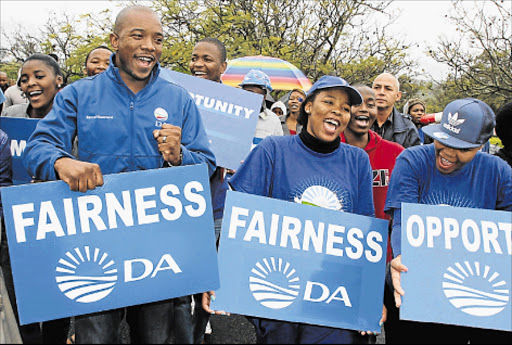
<point>450,171</point>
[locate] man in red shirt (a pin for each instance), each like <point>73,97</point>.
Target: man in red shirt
<point>382,155</point>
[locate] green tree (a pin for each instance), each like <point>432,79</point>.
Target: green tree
<point>70,38</point>
<point>480,60</point>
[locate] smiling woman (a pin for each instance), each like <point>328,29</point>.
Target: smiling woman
<point>40,80</point>
<point>312,168</point>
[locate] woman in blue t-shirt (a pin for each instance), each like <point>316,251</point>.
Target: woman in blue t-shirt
<point>291,168</point>
<point>451,171</point>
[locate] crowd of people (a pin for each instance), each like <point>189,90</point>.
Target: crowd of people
<point>351,135</point>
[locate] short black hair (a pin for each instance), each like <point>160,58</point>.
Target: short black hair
<point>54,56</point>
<point>302,119</point>
<point>47,60</point>
<point>93,49</point>
<point>218,44</point>
<point>119,22</point>
<point>504,124</point>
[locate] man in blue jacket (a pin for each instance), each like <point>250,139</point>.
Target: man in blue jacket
<point>125,119</point>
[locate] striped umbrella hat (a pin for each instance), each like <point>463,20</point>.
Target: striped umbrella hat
<point>283,75</point>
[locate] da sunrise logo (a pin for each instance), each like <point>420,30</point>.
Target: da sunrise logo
<point>475,289</point>
<point>274,283</point>
<point>161,114</point>
<point>86,276</point>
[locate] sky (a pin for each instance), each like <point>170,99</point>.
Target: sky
<point>421,21</point>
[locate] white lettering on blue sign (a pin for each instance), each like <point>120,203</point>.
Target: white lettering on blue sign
<point>292,232</point>
<point>89,208</point>
<point>221,106</point>
<point>473,235</point>
<point>325,294</point>
<point>17,148</point>
<point>167,259</point>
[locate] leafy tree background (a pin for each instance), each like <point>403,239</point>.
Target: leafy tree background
<point>339,37</point>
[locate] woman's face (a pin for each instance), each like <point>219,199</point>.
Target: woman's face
<point>295,101</point>
<point>39,83</point>
<point>449,159</point>
<point>416,112</point>
<point>328,114</point>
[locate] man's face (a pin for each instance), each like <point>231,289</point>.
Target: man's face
<point>4,81</point>
<point>449,159</point>
<point>206,62</point>
<point>256,89</point>
<point>98,61</point>
<point>363,116</point>
<point>138,44</point>
<point>386,91</point>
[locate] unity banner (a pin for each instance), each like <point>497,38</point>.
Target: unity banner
<point>18,130</point>
<point>459,264</point>
<point>229,116</point>
<point>294,262</point>
<point>142,237</point>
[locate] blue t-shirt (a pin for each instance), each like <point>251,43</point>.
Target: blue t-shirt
<point>485,182</point>
<point>282,167</point>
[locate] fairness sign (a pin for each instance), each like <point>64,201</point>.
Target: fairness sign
<point>459,264</point>
<point>300,263</point>
<point>229,116</point>
<point>125,243</point>
<point>18,130</point>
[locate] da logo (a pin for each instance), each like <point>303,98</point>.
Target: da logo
<point>161,114</point>
<point>86,276</point>
<point>274,283</point>
<point>319,196</point>
<point>475,290</point>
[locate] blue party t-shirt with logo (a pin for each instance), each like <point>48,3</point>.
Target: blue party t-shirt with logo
<point>485,182</point>
<point>282,167</point>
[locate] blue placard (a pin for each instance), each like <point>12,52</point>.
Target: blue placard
<point>142,237</point>
<point>18,130</point>
<point>229,116</point>
<point>459,264</point>
<point>293,262</point>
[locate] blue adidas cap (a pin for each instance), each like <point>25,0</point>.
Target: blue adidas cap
<point>466,123</point>
<point>329,81</point>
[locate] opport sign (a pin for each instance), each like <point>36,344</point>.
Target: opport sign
<point>295,262</point>
<point>459,264</point>
<point>229,116</point>
<point>18,130</point>
<point>128,242</point>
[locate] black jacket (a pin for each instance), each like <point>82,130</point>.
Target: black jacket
<point>398,129</point>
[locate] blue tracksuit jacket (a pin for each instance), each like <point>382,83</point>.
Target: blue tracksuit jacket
<point>114,126</point>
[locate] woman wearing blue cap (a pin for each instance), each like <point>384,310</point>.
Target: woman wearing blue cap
<point>284,167</point>
<point>451,171</point>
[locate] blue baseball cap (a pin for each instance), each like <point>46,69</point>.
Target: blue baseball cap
<point>329,81</point>
<point>257,77</point>
<point>466,123</point>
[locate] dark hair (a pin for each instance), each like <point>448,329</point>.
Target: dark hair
<point>93,49</point>
<point>504,124</point>
<point>47,60</point>
<point>54,56</point>
<point>218,44</point>
<point>302,119</point>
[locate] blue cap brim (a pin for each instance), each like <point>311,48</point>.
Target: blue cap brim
<point>437,132</point>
